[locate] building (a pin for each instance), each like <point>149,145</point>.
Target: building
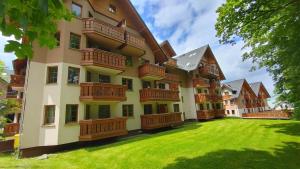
<point>108,76</point>
<point>241,97</point>
<point>284,105</point>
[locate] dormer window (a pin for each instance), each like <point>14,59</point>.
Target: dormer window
<point>112,8</point>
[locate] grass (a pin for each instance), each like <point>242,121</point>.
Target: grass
<point>219,144</point>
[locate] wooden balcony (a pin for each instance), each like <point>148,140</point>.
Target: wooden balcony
<point>155,121</point>
<point>102,92</point>
<point>219,113</point>
<point>134,45</point>
<point>150,94</point>
<point>209,70</point>
<point>226,97</point>
<point>107,35</point>
<point>200,82</point>
<point>202,97</point>
<point>216,98</point>
<point>102,128</point>
<point>103,61</point>
<point>171,77</point>
<point>171,62</point>
<point>151,72</point>
<point>205,114</point>
<point>11,129</point>
<point>17,82</point>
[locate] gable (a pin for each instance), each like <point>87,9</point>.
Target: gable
<point>125,10</point>
<point>246,87</point>
<point>263,91</point>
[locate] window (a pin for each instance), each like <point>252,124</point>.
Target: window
<point>73,75</point>
<point>52,74</point>
<point>88,76</point>
<point>176,108</point>
<point>87,112</point>
<point>201,106</point>
<point>199,90</point>
<point>128,61</point>
<point>71,113</point>
<point>128,83</point>
<point>182,99</point>
<point>226,93</point>
<point>232,112</point>
<point>218,106</point>
<point>74,41</point>
<point>207,106</point>
<point>103,111</point>
<point>76,9</point>
<point>127,110</point>
<point>161,86</point>
<point>206,91</point>
<point>148,109</point>
<point>57,37</point>
<point>146,84</point>
<point>104,79</point>
<point>49,115</point>
<point>112,8</point>
<point>228,112</point>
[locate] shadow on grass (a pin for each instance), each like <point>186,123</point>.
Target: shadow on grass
<point>292,128</point>
<point>113,142</point>
<point>285,157</point>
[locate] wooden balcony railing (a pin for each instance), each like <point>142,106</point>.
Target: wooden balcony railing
<point>219,113</point>
<point>11,129</point>
<point>155,121</point>
<point>17,80</point>
<point>150,94</point>
<point>102,91</point>
<point>199,82</point>
<point>101,58</point>
<point>202,97</point>
<point>216,98</point>
<point>152,70</point>
<point>209,70</point>
<point>205,114</point>
<point>268,115</point>
<point>171,62</point>
<point>171,77</point>
<point>92,25</point>
<point>135,40</point>
<point>102,128</point>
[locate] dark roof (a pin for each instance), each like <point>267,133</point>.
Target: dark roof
<point>190,61</point>
<point>237,86</point>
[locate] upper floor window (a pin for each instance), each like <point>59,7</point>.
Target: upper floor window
<point>176,108</point>
<point>127,110</point>
<point>57,37</point>
<point>104,79</point>
<point>73,75</point>
<point>128,83</point>
<point>71,113</point>
<point>128,61</point>
<point>148,109</point>
<point>74,41</point>
<point>112,8</point>
<point>76,9</point>
<point>52,74</point>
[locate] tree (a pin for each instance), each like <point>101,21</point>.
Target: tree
<point>30,20</point>
<point>271,30</point>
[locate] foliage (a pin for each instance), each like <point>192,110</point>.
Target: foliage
<point>31,20</point>
<point>271,30</point>
<point>219,144</point>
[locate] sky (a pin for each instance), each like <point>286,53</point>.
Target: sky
<point>189,24</point>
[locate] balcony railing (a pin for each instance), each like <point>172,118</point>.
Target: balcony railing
<point>268,115</point>
<point>199,82</point>
<point>101,58</point>
<point>11,129</point>
<point>150,94</point>
<point>171,62</point>
<point>216,98</point>
<point>219,113</point>
<point>205,114</point>
<point>226,97</point>
<point>102,128</point>
<point>152,71</point>
<point>135,40</point>
<point>91,25</point>
<point>171,77</point>
<point>155,121</point>
<point>102,91</point>
<point>17,80</point>
<point>209,70</point>
<point>202,97</point>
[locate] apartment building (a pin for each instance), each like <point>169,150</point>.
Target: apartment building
<point>241,97</point>
<point>108,76</point>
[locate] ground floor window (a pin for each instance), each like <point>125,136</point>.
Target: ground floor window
<point>71,113</point>
<point>127,110</point>
<point>201,106</point>
<point>148,109</point>
<point>232,112</point>
<point>103,111</point>
<point>228,112</point>
<point>49,114</point>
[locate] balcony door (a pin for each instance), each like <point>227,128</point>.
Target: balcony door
<point>162,108</point>
<point>104,79</point>
<point>103,111</point>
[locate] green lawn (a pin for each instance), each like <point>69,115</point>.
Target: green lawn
<point>219,144</point>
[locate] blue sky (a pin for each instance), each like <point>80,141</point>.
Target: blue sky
<point>189,24</point>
